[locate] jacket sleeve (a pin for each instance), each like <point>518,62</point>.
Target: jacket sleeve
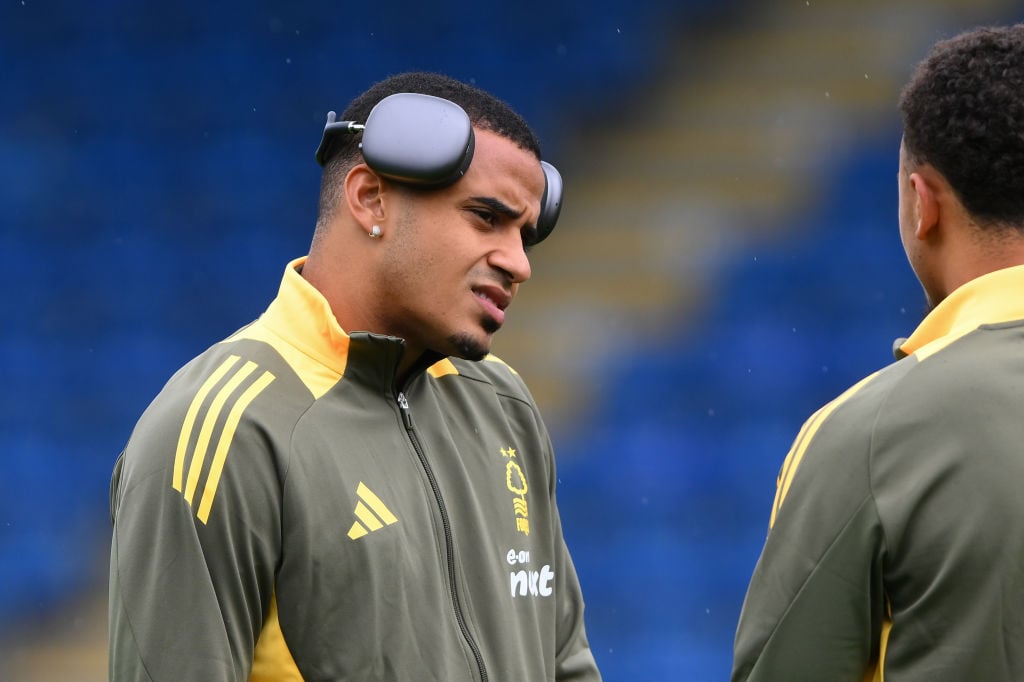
<point>815,604</point>
<point>574,661</point>
<point>193,548</point>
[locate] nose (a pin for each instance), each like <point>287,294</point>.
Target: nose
<point>510,257</point>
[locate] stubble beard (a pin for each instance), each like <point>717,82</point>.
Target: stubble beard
<point>469,348</point>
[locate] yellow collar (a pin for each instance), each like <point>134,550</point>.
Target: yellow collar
<point>302,317</point>
<point>993,298</point>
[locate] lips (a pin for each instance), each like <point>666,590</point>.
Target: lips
<point>494,300</point>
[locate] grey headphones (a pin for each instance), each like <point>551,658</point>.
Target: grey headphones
<point>426,141</point>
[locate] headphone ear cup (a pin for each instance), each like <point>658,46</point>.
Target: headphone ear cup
<point>418,139</point>
<point>550,202</point>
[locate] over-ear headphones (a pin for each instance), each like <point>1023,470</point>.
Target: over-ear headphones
<point>428,142</point>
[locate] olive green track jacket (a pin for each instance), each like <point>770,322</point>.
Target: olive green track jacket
<point>896,547</point>
<point>282,511</point>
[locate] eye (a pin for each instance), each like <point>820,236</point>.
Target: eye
<point>485,215</point>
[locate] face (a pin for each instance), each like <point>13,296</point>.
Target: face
<point>453,259</point>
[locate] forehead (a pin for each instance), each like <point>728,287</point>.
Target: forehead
<point>502,169</point>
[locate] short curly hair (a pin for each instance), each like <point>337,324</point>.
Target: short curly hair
<point>963,113</point>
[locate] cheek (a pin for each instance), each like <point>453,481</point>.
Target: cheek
<point>906,218</point>
<point>906,241</point>
<point>911,245</point>
<point>426,279</point>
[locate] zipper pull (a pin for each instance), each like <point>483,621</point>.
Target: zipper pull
<point>403,406</point>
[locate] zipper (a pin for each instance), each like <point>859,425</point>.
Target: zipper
<point>403,404</point>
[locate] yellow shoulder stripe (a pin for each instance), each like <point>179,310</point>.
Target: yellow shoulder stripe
<point>494,358</point>
<point>229,380</point>
<point>190,417</point>
<point>226,436</point>
<point>316,375</point>
<point>803,440</point>
<point>442,368</point>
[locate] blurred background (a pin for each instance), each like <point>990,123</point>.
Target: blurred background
<point>727,261</point>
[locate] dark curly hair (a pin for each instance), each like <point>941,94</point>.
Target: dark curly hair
<point>963,113</point>
<point>485,111</point>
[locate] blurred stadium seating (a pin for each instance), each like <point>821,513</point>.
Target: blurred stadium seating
<point>156,172</point>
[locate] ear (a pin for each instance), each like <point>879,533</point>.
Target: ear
<point>926,203</point>
<point>364,195</point>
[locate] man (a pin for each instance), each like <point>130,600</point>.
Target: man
<point>896,543</point>
<point>339,491</point>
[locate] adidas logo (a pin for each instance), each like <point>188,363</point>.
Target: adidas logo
<point>371,513</point>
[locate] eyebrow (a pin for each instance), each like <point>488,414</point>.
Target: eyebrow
<point>510,213</point>
<point>498,206</point>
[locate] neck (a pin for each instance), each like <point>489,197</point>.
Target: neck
<point>339,272</point>
<point>981,250</point>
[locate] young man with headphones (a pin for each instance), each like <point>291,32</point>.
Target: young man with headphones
<point>352,487</point>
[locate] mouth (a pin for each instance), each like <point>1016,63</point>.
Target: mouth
<point>494,300</point>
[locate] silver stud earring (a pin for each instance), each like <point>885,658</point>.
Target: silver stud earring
<point>375,232</point>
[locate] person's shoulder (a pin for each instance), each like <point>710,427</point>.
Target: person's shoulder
<point>973,372</point>
<point>496,373</point>
<point>853,415</point>
<point>235,391</point>
<point>228,375</point>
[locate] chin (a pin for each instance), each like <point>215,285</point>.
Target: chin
<point>469,348</point>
